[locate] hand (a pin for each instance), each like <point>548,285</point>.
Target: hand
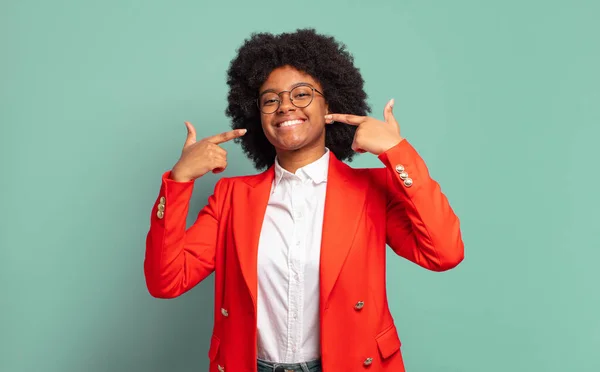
<point>201,157</point>
<point>372,135</point>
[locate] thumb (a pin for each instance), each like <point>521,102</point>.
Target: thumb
<point>191,134</point>
<point>388,115</point>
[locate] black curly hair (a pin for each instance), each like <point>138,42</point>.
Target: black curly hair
<point>320,56</point>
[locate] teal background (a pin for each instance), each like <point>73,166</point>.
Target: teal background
<point>501,98</point>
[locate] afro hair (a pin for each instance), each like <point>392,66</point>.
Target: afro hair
<point>319,56</point>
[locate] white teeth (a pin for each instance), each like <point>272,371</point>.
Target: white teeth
<point>290,122</point>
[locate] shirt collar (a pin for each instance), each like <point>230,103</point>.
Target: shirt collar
<point>315,171</point>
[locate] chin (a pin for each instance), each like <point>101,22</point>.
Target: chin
<point>294,141</point>
<point>288,142</point>
<point>290,146</point>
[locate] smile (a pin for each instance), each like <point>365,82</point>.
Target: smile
<point>289,123</point>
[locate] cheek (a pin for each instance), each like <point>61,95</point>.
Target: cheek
<point>266,127</point>
<point>317,113</point>
<point>264,122</point>
<point>321,109</point>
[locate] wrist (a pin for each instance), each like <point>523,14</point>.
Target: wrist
<point>390,145</point>
<point>178,176</point>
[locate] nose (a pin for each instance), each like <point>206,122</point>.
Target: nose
<point>286,104</point>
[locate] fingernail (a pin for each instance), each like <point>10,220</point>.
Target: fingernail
<point>328,116</point>
<point>243,131</point>
<point>392,102</point>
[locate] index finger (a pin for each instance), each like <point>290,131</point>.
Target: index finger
<point>226,136</point>
<point>346,118</point>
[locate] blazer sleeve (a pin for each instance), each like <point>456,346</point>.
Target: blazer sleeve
<point>177,259</point>
<point>420,224</point>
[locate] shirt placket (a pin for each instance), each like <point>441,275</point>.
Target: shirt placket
<point>295,264</point>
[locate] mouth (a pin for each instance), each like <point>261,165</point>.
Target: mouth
<point>289,123</point>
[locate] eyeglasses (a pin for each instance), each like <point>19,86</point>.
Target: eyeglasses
<point>301,96</point>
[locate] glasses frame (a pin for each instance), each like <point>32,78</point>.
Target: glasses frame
<point>291,99</point>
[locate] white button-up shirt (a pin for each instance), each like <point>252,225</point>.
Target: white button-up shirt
<point>288,265</point>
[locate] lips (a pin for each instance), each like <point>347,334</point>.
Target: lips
<point>289,123</point>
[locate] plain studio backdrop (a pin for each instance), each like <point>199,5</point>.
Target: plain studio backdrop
<point>501,98</point>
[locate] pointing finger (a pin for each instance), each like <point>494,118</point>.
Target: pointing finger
<point>226,136</point>
<point>346,118</point>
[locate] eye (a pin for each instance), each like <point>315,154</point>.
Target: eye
<point>269,99</point>
<point>301,93</point>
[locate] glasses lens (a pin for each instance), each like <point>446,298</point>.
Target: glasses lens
<point>301,96</point>
<point>269,102</point>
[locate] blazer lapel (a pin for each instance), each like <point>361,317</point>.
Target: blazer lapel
<point>344,204</point>
<point>249,211</point>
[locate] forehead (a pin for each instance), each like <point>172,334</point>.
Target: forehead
<point>285,77</point>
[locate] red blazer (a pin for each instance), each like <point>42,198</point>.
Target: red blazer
<point>365,209</point>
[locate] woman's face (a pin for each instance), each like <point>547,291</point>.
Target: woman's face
<point>289,127</point>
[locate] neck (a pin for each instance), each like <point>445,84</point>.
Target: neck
<point>291,161</point>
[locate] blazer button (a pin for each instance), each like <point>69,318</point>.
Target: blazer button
<point>224,312</point>
<point>160,213</point>
<point>399,168</point>
<point>368,361</point>
<point>408,182</point>
<point>359,305</point>
<point>403,175</point>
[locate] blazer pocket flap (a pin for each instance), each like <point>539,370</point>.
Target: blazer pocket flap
<point>214,348</point>
<point>388,342</point>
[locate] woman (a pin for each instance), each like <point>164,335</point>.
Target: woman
<point>298,250</point>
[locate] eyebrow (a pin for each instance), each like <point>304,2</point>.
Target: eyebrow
<point>291,87</point>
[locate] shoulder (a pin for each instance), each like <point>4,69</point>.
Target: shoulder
<point>366,171</point>
<point>374,177</point>
<point>226,184</point>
